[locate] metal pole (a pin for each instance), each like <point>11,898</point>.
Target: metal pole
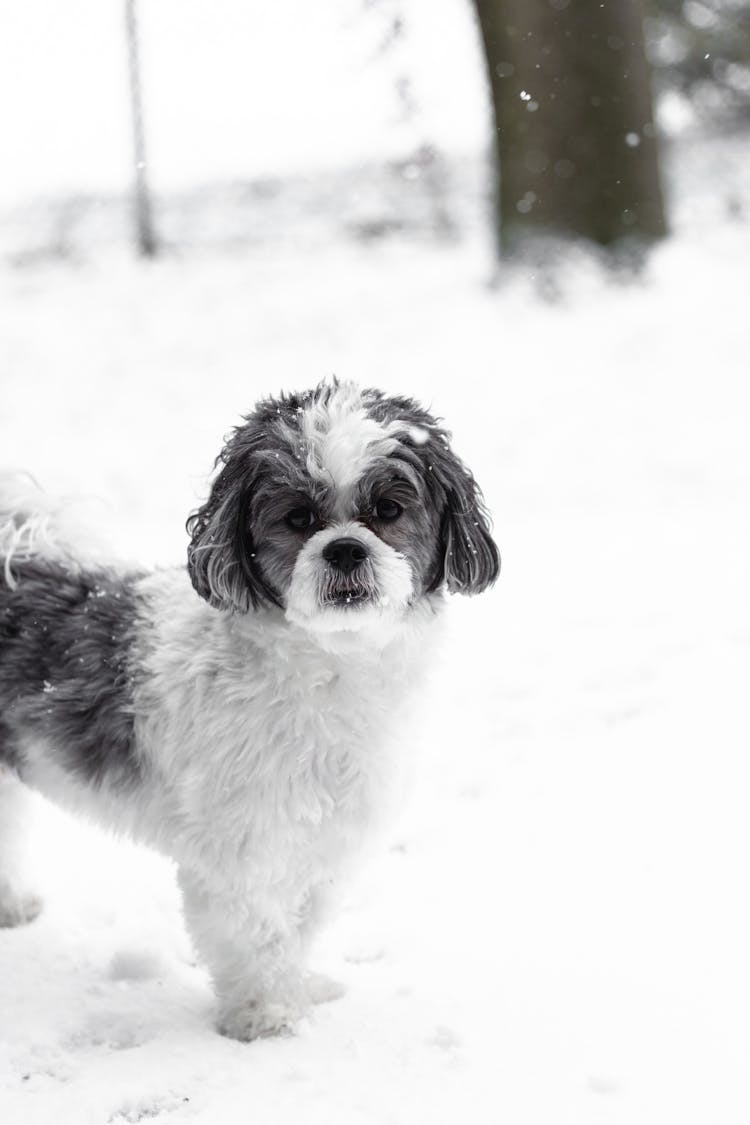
<point>145,237</point>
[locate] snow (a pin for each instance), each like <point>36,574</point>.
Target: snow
<point>558,928</point>
<point>559,931</point>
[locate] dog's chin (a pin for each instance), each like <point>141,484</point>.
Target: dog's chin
<point>355,597</point>
<point>349,621</point>
<point>363,610</point>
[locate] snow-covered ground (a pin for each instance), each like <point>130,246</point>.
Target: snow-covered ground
<point>558,933</point>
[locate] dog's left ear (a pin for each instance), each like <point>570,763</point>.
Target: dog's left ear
<point>221,559</point>
<point>470,560</point>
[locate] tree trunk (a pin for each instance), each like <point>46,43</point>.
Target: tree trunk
<point>572,106</point>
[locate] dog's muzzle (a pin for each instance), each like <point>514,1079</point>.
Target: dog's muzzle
<point>349,578</point>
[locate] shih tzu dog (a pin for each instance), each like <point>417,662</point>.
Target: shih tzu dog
<point>239,715</point>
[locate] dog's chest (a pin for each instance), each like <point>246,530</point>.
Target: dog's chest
<point>328,730</point>
<point>292,755</point>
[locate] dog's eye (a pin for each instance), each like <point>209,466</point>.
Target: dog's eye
<point>299,519</point>
<point>388,510</point>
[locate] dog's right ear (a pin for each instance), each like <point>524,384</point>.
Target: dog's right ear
<point>221,557</point>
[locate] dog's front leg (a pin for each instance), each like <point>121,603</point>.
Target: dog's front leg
<point>253,952</point>
<point>16,904</point>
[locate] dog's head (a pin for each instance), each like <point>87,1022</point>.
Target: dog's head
<point>343,507</point>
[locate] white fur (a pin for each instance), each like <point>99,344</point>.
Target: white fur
<point>270,768</point>
<point>38,523</point>
<point>16,904</point>
<point>342,441</point>
<point>267,747</point>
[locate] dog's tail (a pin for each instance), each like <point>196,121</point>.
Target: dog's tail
<point>34,524</point>
<point>28,518</point>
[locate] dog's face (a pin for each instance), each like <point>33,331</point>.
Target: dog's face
<point>343,507</point>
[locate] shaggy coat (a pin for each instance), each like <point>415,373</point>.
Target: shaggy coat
<point>239,715</point>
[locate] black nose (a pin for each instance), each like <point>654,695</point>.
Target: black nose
<point>345,554</point>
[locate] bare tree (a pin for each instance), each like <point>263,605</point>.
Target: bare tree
<point>576,143</point>
<point>145,236</point>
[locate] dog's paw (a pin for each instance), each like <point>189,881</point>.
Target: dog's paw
<point>17,909</point>
<point>258,1019</point>
<point>322,989</point>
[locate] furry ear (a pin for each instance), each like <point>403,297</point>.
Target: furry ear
<point>470,560</point>
<point>220,555</point>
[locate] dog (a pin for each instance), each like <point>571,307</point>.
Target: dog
<point>240,715</point>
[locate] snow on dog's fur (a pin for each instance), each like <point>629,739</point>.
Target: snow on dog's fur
<point>249,732</point>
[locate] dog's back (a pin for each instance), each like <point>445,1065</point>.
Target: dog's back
<point>65,636</point>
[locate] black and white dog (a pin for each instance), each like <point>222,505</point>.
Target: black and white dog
<point>246,732</point>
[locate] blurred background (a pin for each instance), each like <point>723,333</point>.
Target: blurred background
<point>231,197</point>
<point>533,216</point>
<point>361,119</point>
<point>355,120</point>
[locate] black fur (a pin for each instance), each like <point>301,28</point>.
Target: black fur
<point>221,555</point>
<point>65,675</point>
<point>467,560</point>
<point>262,460</point>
